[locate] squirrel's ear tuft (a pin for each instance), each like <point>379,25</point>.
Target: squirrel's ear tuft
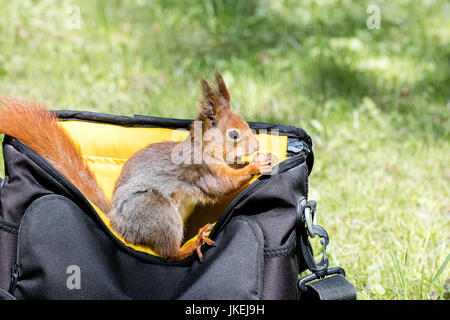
<point>222,88</point>
<point>210,102</point>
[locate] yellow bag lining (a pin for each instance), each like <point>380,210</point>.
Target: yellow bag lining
<point>106,148</point>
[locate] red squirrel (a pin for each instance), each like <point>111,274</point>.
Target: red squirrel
<point>153,193</point>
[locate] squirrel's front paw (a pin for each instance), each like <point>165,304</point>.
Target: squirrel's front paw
<point>263,163</point>
<point>259,169</point>
<point>265,158</point>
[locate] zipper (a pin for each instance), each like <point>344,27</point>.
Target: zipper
<point>15,273</point>
<point>301,155</point>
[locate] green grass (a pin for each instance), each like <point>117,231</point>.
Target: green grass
<point>376,103</point>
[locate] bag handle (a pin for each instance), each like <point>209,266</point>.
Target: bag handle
<point>336,287</point>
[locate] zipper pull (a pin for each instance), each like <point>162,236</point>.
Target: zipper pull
<point>298,147</point>
<point>306,146</point>
<point>15,272</point>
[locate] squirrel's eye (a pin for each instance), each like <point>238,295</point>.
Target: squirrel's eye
<point>233,134</point>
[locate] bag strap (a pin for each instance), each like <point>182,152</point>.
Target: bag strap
<point>4,295</point>
<point>330,283</point>
<point>336,287</point>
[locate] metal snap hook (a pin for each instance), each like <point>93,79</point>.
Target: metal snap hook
<point>321,232</point>
<point>307,212</point>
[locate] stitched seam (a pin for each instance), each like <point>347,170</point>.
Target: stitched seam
<point>8,227</point>
<point>284,250</point>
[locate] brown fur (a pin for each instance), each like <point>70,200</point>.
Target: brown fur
<point>152,194</point>
<point>30,122</point>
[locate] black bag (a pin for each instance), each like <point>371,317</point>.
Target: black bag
<point>55,245</point>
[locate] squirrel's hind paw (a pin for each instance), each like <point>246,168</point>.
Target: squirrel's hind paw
<point>195,246</point>
<point>202,237</point>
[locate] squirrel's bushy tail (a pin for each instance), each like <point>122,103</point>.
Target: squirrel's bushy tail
<point>37,127</point>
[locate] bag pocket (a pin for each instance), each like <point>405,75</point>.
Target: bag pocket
<point>234,268</point>
<point>281,270</point>
<point>58,243</point>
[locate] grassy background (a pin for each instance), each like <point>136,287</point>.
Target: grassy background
<point>376,102</point>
